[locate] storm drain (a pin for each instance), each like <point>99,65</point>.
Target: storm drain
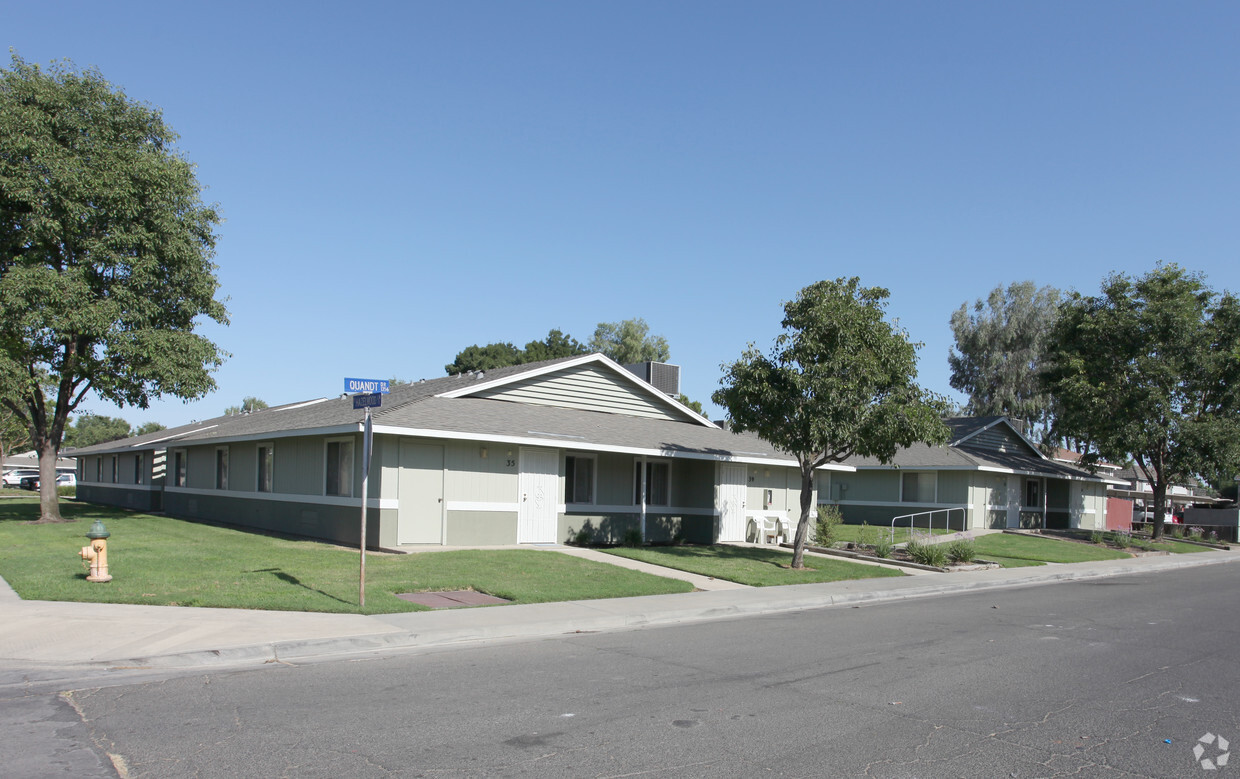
<point>450,600</point>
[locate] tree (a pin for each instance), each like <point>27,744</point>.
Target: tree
<point>684,400</point>
<point>839,382</point>
<point>149,427</point>
<point>555,345</point>
<point>1150,369</point>
<point>504,354</point>
<point>998,352</point>
<point>248,406</point>
<point>484,358</point>
<point>628,342</point>
<point>91,429</point>
<point>105,255</point>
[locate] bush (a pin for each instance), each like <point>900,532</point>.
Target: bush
<point>882,546</point>
<point>66,490</point>
<point>1097,538</point>
<point>632,537</point>
<point>865,536</point>
<point>584,536</point>
<point>933,555</point>
<point>961,551</point>
<point>829,518</point>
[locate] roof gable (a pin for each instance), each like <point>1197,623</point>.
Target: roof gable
<point>592,382</point>
<point>991,435</point>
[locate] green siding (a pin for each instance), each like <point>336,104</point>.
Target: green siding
<point>481,528</point>
<point>339,524</point>
<point>587,387</point>
<point>881,485</point>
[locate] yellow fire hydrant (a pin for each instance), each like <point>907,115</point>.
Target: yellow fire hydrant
<point>97,553</point>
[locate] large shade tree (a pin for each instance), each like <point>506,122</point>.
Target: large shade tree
<point>998,353</point>
<point>1150,370</point>
<point>629,341</point>
<point>105,255</point>
<point>839,381</point>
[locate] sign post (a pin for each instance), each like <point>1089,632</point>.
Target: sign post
<point>373,391</point>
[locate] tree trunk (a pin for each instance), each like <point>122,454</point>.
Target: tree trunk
<point>807,500</point>
<point>49,498</point>
<point>1160,511</point>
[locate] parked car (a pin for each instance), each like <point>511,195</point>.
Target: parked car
<point>14,478</point>
<point>62,480</point>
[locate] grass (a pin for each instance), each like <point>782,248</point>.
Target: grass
<point>1006,549</point>
<point>1175,547</point>
<point>750,565</point>
<point>853,533</point>
<point>171,562</point>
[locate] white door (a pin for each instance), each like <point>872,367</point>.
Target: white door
<point>539,487</point>
<point>420,518</point>
<point>733,489</point>
<point>1015,498</point>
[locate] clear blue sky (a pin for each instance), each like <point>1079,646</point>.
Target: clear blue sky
<point>401,180</point>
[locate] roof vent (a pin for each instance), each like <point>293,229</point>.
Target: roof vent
<point>664,377</point>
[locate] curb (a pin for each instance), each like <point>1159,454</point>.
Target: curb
<point>548,620</point>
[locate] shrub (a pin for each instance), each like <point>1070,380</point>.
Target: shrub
<point>632,537</point>
<point>66,490</point>
<point>933,555</point>
<point>865,536</point>
<point>829,518</point>
<point>1097,538</point>
<point>584,536</point>
<point>961,551</point>
<point>882,546</point>
<point>1196,533</point>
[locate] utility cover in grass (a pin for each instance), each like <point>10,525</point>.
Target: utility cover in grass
<point>450,600</point>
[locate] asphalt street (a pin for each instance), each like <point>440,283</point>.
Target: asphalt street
<point>1118,676</point>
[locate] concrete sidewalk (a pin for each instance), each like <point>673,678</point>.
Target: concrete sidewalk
<point>56,637</point>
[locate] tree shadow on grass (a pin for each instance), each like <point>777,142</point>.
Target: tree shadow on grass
<point>293,580</point>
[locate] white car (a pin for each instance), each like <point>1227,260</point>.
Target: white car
<point>14,478</point>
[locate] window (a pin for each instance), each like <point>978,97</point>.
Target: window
<point>266,457</point>
<point>578,479</point>
<point>114,469</point>
<point>340,468</point>
<point>99,468</point>
<point>657,483</point>
<point>221,468</point>
<point>917,487</point>
<point>138,462</point>
<point>178,468</point>
<point>1033,493</point>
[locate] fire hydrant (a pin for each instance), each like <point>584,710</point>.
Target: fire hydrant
<point>97,553</point>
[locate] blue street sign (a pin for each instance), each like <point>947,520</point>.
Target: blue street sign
<point>366,385</point>
<point>367,401</point>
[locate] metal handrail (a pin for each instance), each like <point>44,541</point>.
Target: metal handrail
<point>930,524</point>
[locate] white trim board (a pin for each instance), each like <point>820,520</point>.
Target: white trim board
<point>575,445</point>
<point>288,497</point>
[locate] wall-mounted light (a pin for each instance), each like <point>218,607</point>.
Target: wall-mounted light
<point>768,472</point>
<point>482,452</point>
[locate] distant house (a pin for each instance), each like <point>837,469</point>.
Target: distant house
<point>989,475</point>
<point>533,454</point>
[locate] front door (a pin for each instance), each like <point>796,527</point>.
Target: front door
<point>420,518</point>
<point>733,488</point>
<point>539,487</point>
<point>1015,494</point>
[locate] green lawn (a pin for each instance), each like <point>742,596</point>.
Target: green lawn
<point>854,533</point>
<point>754,566</point>
<point>1176,547</point>
<point>164,561</point>
<point>1005,548</point>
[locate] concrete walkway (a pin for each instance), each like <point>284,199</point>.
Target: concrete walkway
<point>49,640</point>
